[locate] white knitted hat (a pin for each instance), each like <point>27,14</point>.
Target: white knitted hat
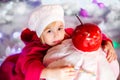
<point>43,16</point>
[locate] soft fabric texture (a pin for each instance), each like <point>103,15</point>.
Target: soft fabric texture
<point>94,62</point>
<point>45,15</point>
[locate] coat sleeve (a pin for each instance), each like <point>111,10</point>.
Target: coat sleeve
<point>7,67</point>
<point>34,65</point>
<point>105,38</point>
<point>34,70</point>
<point>30,62</point>
<point>69,31</point>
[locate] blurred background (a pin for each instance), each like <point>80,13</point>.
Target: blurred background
<point>14,15</point>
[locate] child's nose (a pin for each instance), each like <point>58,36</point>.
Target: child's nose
<point>56,35</point>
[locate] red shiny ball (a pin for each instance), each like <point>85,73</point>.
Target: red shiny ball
<point>87,37</point>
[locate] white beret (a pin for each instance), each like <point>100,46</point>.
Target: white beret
<point>43,16</point>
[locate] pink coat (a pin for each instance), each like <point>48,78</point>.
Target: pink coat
<point>26,65</point>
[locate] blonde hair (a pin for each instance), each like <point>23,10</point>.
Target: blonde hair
<point>42,40</point>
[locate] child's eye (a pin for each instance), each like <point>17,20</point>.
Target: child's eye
<point>60,29</point>
<point>49,31</point>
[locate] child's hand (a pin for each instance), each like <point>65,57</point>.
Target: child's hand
<point>64,73</point>
<point>109,50</point>
<point>86,71</point>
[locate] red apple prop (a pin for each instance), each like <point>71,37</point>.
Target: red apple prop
<point>87,37</point>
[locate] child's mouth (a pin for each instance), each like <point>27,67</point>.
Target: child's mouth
<point>57,41</point>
